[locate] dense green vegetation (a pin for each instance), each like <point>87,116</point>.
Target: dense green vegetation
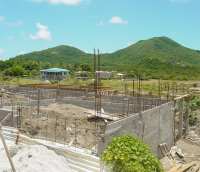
<point>128,154</point>
<point>159,57</point>
<point>195,107</point>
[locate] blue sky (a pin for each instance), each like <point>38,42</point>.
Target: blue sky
<point>30,25</point>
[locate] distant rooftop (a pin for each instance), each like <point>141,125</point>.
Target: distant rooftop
<point>54,70</point>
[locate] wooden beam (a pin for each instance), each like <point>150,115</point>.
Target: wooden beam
<point>7,151</point>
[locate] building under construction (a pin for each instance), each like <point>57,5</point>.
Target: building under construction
<point>89,117</point>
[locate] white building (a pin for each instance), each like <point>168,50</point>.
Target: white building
<point>55,74</point>
<point>104,74</point>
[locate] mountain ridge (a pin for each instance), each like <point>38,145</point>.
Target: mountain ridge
<point>154,44</point>
<point>160,55</point>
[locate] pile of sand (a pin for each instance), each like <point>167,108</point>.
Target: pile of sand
<point>35,158</point>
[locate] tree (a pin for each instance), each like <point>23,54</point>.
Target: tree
<point>15,71</point>
<point>31,65</point>
<point>85,67</point>
<point>129,154</point>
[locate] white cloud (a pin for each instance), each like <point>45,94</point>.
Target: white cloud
<point>2,18</point>
<point>43,33</point>
<point>21,53</point>
<point>130,43</point>
<point>64,2</point>
<point>118,20</point>
<point>1,52</point>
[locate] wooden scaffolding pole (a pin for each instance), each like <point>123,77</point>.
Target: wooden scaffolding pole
<point>6,149</point>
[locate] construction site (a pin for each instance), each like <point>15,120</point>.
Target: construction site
<point>86,119</point>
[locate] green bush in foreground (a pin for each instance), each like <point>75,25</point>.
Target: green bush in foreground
<point>128,154</point>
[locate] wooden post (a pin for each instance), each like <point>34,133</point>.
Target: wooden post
<point>6,149</point>
<point>181,118</point>
<point>65,133</point>
<point>188,111</point>
<point>38,102</point>
<point>75,133</point>
<point>56,128</point>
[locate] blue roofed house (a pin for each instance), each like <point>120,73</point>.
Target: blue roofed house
<point>54,74</point>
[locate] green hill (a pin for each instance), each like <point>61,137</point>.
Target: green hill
<point>156,57</point>
<point>59,54</point>
<point>162,49</point>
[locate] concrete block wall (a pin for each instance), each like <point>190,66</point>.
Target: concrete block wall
<point>154,127</point>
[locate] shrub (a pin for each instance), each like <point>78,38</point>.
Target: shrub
<point>128,154</point>
<point>194,106</point>
<point>195,103</point>
<point>15,71</point>
<point>193,119</point>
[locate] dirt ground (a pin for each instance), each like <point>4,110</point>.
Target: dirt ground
<point>190,150</point>
<point>184,157</point>
<point>67,110</point>
<point>64,123</point>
